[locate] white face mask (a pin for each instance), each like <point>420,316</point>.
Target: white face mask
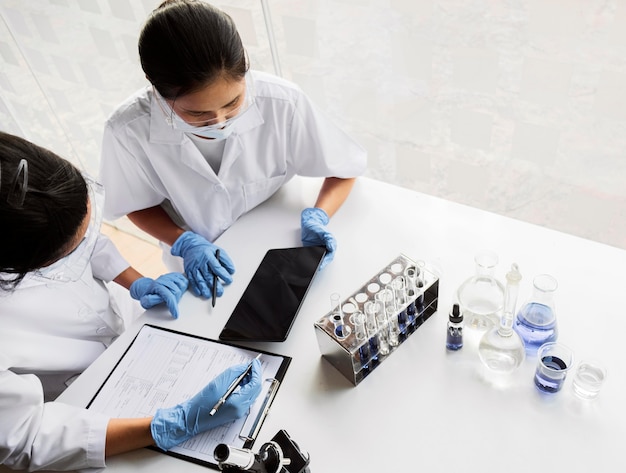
<point>214,131</point>
<point>220,131</point>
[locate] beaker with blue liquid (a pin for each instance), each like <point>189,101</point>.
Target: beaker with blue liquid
<point>536,321</point>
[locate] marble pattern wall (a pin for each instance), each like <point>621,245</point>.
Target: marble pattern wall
<point>514,106</point>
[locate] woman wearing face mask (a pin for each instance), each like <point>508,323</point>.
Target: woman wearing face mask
<point>209,140</point>
<point>57,316</point>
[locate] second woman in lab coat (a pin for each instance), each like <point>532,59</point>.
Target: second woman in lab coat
<point>209,140</point>
<point>58,314</point>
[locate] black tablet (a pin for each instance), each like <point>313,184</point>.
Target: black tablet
<point>270,303</point>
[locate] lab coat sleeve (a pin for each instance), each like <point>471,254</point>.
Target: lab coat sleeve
<point>320,148</point>
<point>127,185</point>
<point>106,261</point>
<point>35,435</point>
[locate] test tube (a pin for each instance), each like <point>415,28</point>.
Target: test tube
<point>360,333</point>
<point>411,294</point>
<point>419,302</point>
<point>420,276</point>
<point>341,330</point>
<point>348,309</point>
<point>385,297</point>
<point>381,323</point>
<point>372,328</point>
<point>399,292</point>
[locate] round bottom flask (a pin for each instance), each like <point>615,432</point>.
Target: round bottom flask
<point>482,296</point>
<point>500,349</point>
<point>503,354</point>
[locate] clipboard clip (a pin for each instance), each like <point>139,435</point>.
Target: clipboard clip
<point>251,427</point>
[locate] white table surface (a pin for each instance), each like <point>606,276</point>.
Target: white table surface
<point>423,409</point>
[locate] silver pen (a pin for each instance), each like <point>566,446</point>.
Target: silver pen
<point>232,387</point>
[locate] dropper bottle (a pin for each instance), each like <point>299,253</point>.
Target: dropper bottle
<point>501,349</point>
<point>454,337</point>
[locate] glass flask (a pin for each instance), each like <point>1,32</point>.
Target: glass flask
<point>536,320</point>
<point>501,349</point>
<point>482,296</point>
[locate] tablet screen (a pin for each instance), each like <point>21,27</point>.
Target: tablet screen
<point>271,301</point>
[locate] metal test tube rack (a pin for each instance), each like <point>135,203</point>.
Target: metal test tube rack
<point>363,329</point>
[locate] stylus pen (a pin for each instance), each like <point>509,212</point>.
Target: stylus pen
<point>214,292</point>
<point>232,387</point>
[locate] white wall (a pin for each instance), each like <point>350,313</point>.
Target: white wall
<point>517,107</point>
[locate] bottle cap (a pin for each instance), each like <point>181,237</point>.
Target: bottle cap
<point>456,316</point>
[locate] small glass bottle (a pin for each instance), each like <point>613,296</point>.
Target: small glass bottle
<point>454,339</point>
<point>501,349</point>
<point>482,296</point>
<point>536,320</point>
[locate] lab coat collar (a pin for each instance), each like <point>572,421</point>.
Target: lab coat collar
<point>251,119</point>
<point>161,132</point>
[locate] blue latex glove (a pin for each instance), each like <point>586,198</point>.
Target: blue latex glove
<point>201,265</point>
<point>173,426</point>
<point>314,233</point>
<point>168,289</point>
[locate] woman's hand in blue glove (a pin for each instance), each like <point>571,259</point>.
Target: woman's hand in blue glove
<point>177,424</point>
<point>201,264</point>
<point>168,289</point>
<point>314,233</point>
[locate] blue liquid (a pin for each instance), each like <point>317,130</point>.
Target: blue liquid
<point>374,347</point>
<point>546,383</point>
<point>536,325</point>
<point>454,339</point>
<point>411,313</point>
<point>419,306</point>
<point>364,355</point>
<point>402,321</point>
<point>342,331</point>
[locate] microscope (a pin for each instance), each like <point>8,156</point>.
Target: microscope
<point>279,455</point>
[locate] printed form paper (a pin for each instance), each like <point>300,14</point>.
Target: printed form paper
<point>162,369</point>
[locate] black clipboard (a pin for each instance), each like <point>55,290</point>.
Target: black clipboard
<point>268,307</point>
<point>151,337</point>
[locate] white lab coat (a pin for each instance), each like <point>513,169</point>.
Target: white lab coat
<point>146,162</point>
<point>50,332</point>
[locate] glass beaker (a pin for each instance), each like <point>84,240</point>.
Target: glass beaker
<point>536,320</point>
<point>481,297</point>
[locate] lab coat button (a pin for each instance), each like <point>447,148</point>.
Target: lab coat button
<point>102,330</point>
<point>218,187</point>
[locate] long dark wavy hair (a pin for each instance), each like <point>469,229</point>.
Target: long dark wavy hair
<point>43,201</point>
